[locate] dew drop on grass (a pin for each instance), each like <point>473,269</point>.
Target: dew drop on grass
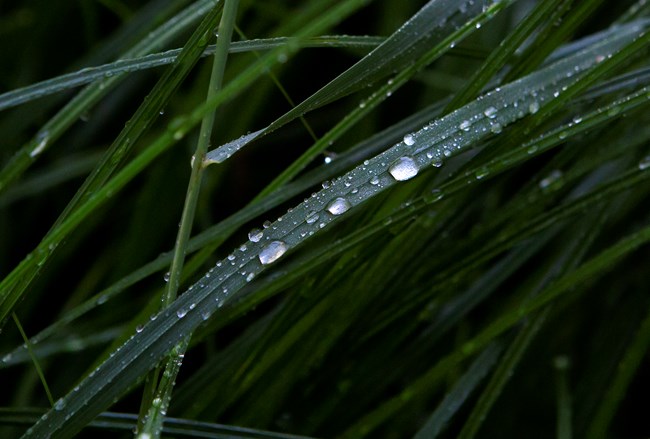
<point>59,405</point>
<point>181,313</point>
<point>250,277</point>
<point>644,163</point>
<point>374,180</point>
<point>255,235</point>
<point>272,252</point>
<point>409,139</point>
<point>533,107</point>
<point>481,173</point>
<point>490,112</point>
<point>338,206</point>
<point>312,217</point>
<point>464,125</point>
<point>42,138</point>
<point>404,168</point>
<point>496,128</point>
<point>166,277</point>
<point>553,177</point>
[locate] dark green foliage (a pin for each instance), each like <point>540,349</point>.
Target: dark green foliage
<point>448,232</point>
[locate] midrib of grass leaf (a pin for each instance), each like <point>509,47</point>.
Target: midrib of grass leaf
<point>139,346</point>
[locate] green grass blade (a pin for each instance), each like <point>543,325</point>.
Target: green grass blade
<point>433,23</point>
<point>461,391</point>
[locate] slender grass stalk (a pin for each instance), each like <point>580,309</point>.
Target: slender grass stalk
<point>564,411</point>
<point>153,421</point>
<point>37,366</point>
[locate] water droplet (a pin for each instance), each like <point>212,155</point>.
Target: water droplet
<point>272,252</point>
<point>311,217</point>
<point>644,163</point>
<point>266,224</point>
<point>139,328</point>
<point>250,277</point>
<point>464,125</point>
<point>166,277</point>
<point>490,112</point>
<point>42,138</point>
<point>409,140</point>
<point>59,405</point>
<point>496,128</point>
<point>481,173</point>
<point>533,107</point>
<point>255,235</point>
<point>553,177</point>
<point>338,206</point>
<point>374,180</point>
<point>326,184</point>
<point>577,119</point>
<point>231,257</point>
<point>181,313</point>
<point>404,168</point>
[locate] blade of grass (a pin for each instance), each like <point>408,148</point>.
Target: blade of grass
<point>158,404</point>
<point>435,21</point>
<point>129,65</point>
<point>55,127</point>
<point>628,366</point>
<point>460,392</point>
<point>192,305</point>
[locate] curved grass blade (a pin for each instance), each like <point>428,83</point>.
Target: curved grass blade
<point>12,287</point>
<point>431,24</point>
<point>89,74</point>
<point>376,98</point>
<point>455,132</point>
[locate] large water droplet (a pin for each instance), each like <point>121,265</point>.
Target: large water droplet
<point>533,107</point>
<point>166,277</point>
<point>409,139</point>
<point>464,125</point>
<point>338,206</point>
<point>59,405</point>
<point>272,252</point>
<point>404,168</point>
<point>181,313</point>
<point>255,235</point>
